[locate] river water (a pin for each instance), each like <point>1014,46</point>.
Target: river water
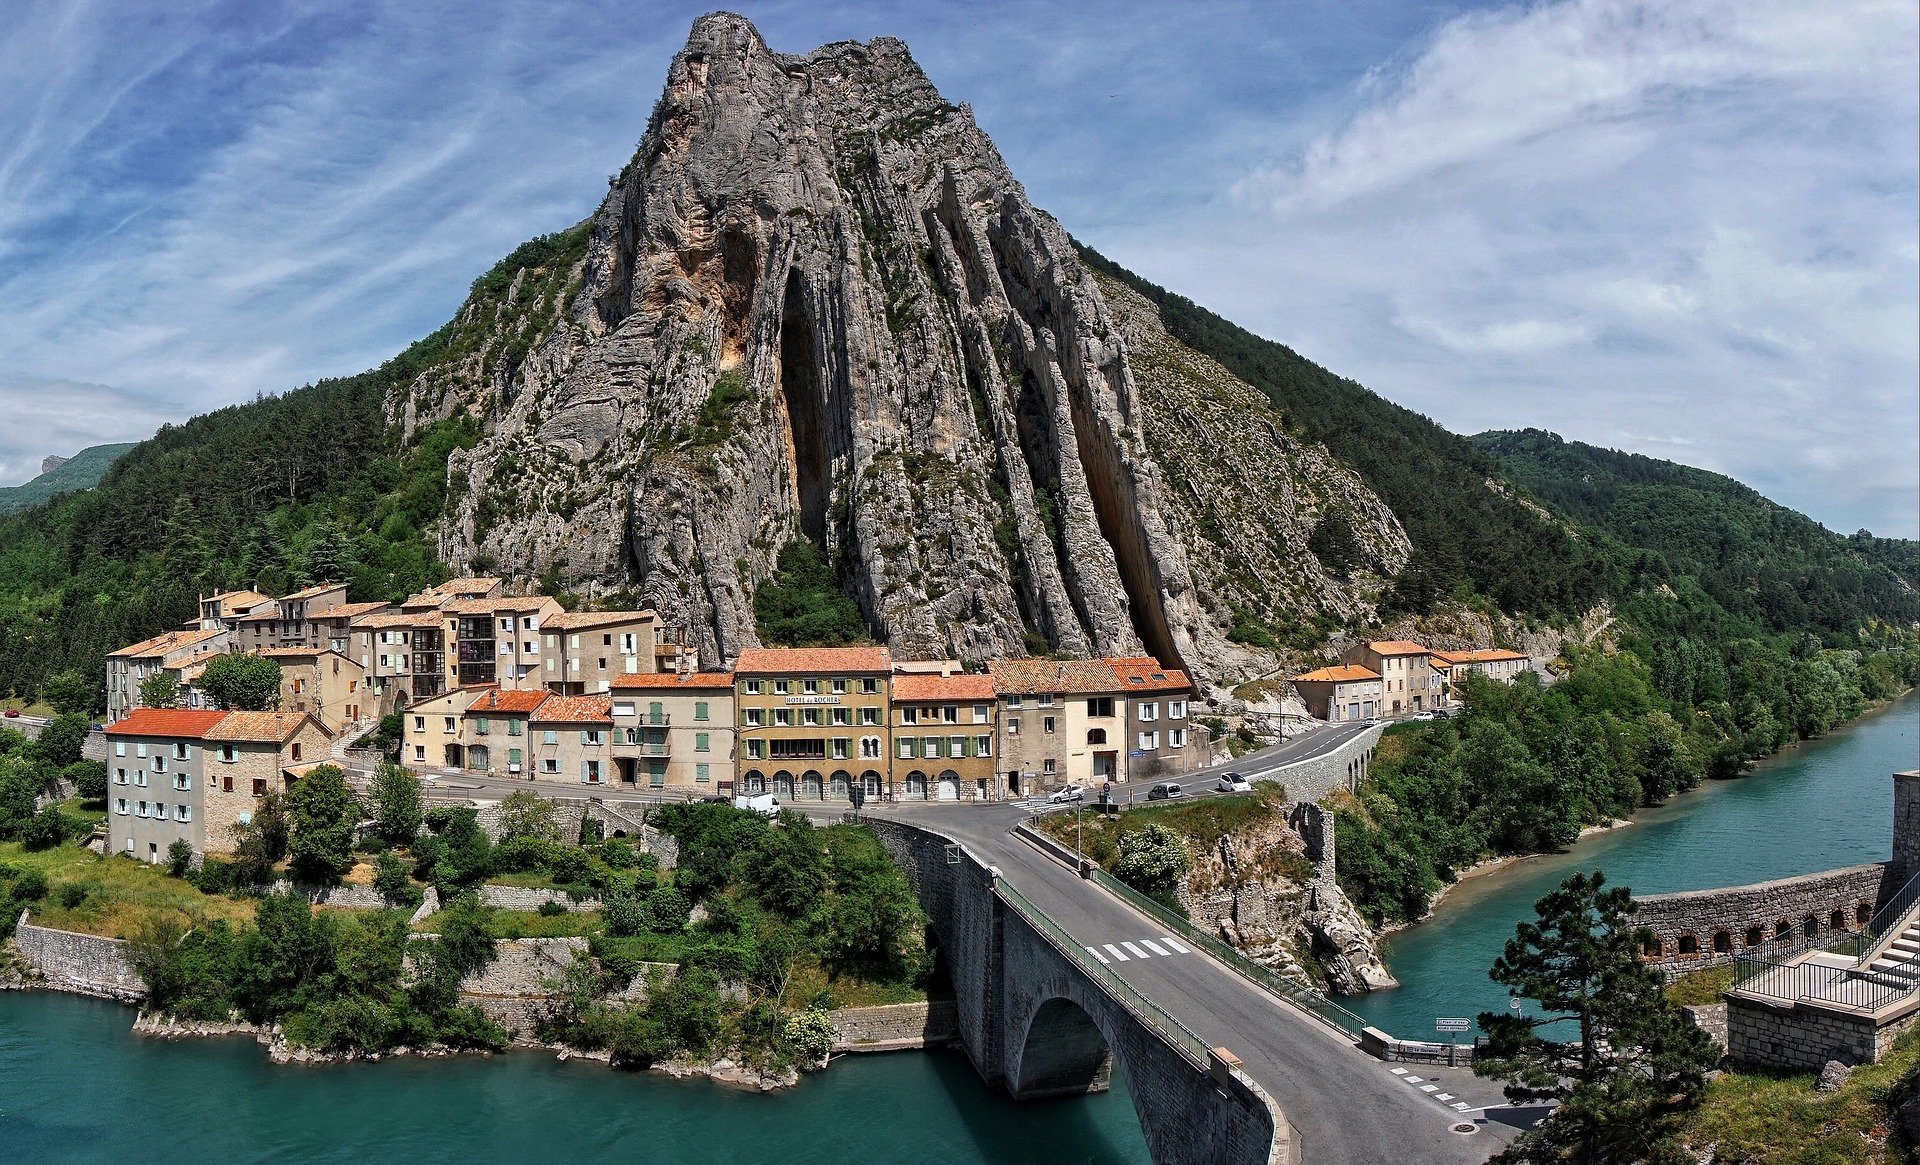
<point>76,1086</point>
<point>1823,804</point>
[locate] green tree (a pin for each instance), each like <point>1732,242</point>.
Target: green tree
<point>72,694</point>
<point>528,815</point>
<point>1334,544</point>
<point>61,740</point>
<point>396,804</point>
<point>322,814</point>
<point>89,779</point>
<point>1629,1072</point>
<point>179,857</point>
<point>802,605</point>
<point>159,690</point>
<point>245,683</point>
<point>1154,861</point>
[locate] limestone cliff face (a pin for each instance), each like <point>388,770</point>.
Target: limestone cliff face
<point>817,304</point>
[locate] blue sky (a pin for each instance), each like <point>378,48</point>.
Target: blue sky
<point>1685,229</point>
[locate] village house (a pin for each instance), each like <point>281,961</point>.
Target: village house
<point>674,732</point>
<point>585,651</point>
<point>388,645</point>
<point>171,652</point>
<point>1408,682</point>
<point>249,754</point>
<point>432,734</point>
<point>1061,722</point>
<point>497,640</point>
<point>494,732</point>
<point>221,611</point>
<point>155,761</point>
<point>332,628</point>
<point>1495,663</point>
<point>571,740</point>
<point>945,729</point>
<point>323,682</point>
<point>1343,693</point>
<point>1160,740</point>
<point>812,722</point>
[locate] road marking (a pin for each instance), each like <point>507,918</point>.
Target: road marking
<point>1444,1097</point>
<point>1411,1079</point>
<point>1429,1088</point>
<point>1155,947</point>
<point>1116,952</point>
<point>1463,1106</point>
<point>1398,1071</point>
<point>1176,946</point>
<point>1138,953</point>
<point>1096,954</point>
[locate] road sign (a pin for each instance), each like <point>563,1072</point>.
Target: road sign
<point>1451,1025</point>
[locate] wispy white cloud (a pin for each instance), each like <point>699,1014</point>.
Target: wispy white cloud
<point>65,416</point>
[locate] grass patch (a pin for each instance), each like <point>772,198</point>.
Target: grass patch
<point>1201,822</point>
<point>1779,1119</point>
<point>813,984</point>
<point>94,813</point>
<point>648,948</point>
<point>112,896</point>
<point>527,924</point>
<point>1700,987</point>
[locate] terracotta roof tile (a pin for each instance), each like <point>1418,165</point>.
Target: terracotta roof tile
<point>165,642</point>
<point>1344,673</point>
<point>923,687</point>
<point>190,723</point>
<point>576,710</point>
<point>399,619</point>
<point>260,727</point>
<point>310,592</point>
<point>1144,673</point>
<point>516,701</point>
<point>813,660</point>
<point>643,681</point>
<point>1487,655</point>
<point>350,610</point>
<point>1396,647</point>
<point>570,620</point>
<point>503,603</point>
<point>1035,676</point>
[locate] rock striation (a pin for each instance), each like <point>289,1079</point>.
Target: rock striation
<point>817,304</point>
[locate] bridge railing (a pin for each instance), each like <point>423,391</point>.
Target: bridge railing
<point>1175,1032</point>
<point>1299,994</point>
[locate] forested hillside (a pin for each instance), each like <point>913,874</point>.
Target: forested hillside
<point>82,471</point>
<point>1762,562</point>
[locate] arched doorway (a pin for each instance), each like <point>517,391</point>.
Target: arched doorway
<point>871,782</point>
<point>810,787</point>
<point>842,779</point>
<point>755,782</point>
<point>1064,1054</point>
<point>949,786</point>
<point>917,785</point>
<point>838,789</point>
<point>783,785</point>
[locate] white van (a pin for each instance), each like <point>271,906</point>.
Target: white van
<point>765,804</point>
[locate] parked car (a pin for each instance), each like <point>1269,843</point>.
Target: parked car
<point>1234,783</point>
<point>1164,790</point>
<point>1066,793</point>
<point>1442,714</point>
<point>765,804</point>
<point>13,713</point>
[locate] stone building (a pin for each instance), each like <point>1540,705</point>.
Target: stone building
<point>247,755</point>
<point>674,732</point>
<point>332,628</point>
<point>155,761</point>
<point>174,652</point>
<point>218,612</point>
<point>497,640</point>
<point>571,740</point>
<point>1160,740</point>
<point>432,731</point>
<point>1408,682</point>
<point>1061,722</point>
<point>1343,693</point>
<point>323,682</point>
<point>812,722</point>
<point>1495,663</point>
<point>585,651</point>
<point>945,733</point>
<point>387,645</point>
<point>495,732</point>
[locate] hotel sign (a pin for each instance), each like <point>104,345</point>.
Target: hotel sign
<point>813,699</point>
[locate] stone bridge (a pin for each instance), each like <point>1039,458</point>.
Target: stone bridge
<point>1039,1018</point>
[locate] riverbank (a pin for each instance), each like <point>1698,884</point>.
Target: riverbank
<point>1488,866</point>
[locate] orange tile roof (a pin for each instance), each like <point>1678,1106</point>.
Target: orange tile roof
<point>1144,672</point>
<point>166,641</point>
<point>1338,674</point>
<point>191,723</point>
<point>291,652</point>
<point>398,619</point>
<point>310,592</point>
<point>566,620</point>
<point>635,681</point>
<point>259,727</point>
<point>504,603</point>
<point>1488,655</point>
<point>1023,677</point>
<point>350,610</point>
<point>516,701</point>
<point>1396,647</point>
<point>1441,660</point>
<point>478,585</point>
<point>925,687</point>
<point>816,660</point>
<point>227,600</point>
<point>576,710</point>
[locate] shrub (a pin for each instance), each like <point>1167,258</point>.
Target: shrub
<point>618,854</point>
<point>390,877</point>
<point>179,857</point>
<point>45,829</point>
<point>569,865</point>
<point>30,886</point>
<point>809,1034</point>
<point>625,915</point>
<point>89,779</point>
<point>551,909</point>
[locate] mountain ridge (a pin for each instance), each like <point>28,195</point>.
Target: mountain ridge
<point>81,471</point>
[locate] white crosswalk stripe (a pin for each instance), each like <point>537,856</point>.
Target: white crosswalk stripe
<point>1095,952</point>
<point>1175,945</point>
<point>1136,951</point>
<point>1116,952</point>
<point>1127,950</point>
<point>1155,947</point>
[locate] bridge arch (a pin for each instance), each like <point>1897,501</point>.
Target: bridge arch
<point>1064,1053</point>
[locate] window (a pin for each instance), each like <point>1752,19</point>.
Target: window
<point>783,717</point>
<point>983,746</point>
<point>551,765</point>
<point>841,747</point>
<point>1096,736</point>
<point>183,783</point>
<point>119,748</point>
<point>420,752</point>
<point>159,764</point>
<point>656,774</point>
<point>513,756</point>
<point>702,772</point>
<point>1176,709</point>
<point>1046,724</point>
<point>811,717</point>
<point>950,714</point>
<point>869,748</point>
<point>1013,701</point>
<point>183,813</point>
<point>482,726</point>
<point>756,749</point>
<point>140,810</point>
<point>869,687</point>
<point>419,723</point>
<point>700,710</point>
<point>842,716</point>
<point>1149,712</point>
<point>550,736</point>
<point>869,715</point>
<point>590,771</point>
<point>1049,765</point>
<point>226,783</point>
<point>448,726</point>
<point>756,716</point>
<point>120,806</point>
<point>296,750</point>
<point>119,776</point>
<point>906,748</point>
<point>782,687</point>
<point>1013,726</point>
<point>506,624</point>
<point>1149,740</point>
<point>702,742</point>
<point>140,777</point>
<point>980,713</point>
<point>839,687</point>
<point>810,687</point>
<point>1046,701</point>
<point>259,787</point>
<point>182,751</point>
<point>514,727</point>
<point>909,715</point>
<point>590,736</point>
<point>1176,738</point>
<point>752,687</point>
<point>1100,706</point>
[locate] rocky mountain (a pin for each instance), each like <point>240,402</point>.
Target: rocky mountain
<point>816,304</point>
<point>61,475</point>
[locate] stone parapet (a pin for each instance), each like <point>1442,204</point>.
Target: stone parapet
<point>1707,928</point>
<point>1761,1034</point>
<point>85,964</point>
<point>1341,768</point>
<point>894,1027</point>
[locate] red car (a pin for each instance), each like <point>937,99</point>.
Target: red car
<point>12,712</point>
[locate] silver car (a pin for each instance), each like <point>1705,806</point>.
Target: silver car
<point>1234,783</point>
<point>1066,793</point>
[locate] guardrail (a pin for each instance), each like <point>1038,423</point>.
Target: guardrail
<point>1816,982</point>
<point>1176,1033</point>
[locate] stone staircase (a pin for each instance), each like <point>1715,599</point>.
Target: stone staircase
<point>1896,961</point>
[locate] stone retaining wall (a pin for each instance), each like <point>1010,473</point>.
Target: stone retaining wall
<point>1710,1018</point>
<point>84,964</point>
<point>525,898</point>
<point>1765,1035</point>
<point>569,812</point>
<point>1707,928</point>
<point>894,1027</point>
<point>1310,780</point>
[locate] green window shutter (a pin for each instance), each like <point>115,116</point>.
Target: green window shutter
<point>701,742</point>
<point>655,710</point>
<point>550,737</point>
<point>699,709</point>
<point>656,774</point>
<point>513,756</point>
<point>513,728</point>
<point>702,772</point>
<point>585,737</point>
<point>480,725</point>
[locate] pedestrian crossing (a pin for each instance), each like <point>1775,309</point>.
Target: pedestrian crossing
<point>1432,1090</point>
<point>1127,950</point>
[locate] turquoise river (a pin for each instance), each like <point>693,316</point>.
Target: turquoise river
<point>75,1086</point>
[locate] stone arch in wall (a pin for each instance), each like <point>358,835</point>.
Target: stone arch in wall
<point>1862,913</point>
<point>917,784</point>
<point>1837,920</point>
<point>1688,944</point>
<point>1063,1053</point>
<point>783,785</point>
<point>1809,927</point>
<point>873,783</point>
<point>1651,947</point>
<point>1755,936</point>
<point>1782,929</point>
<point>1722,942</point>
